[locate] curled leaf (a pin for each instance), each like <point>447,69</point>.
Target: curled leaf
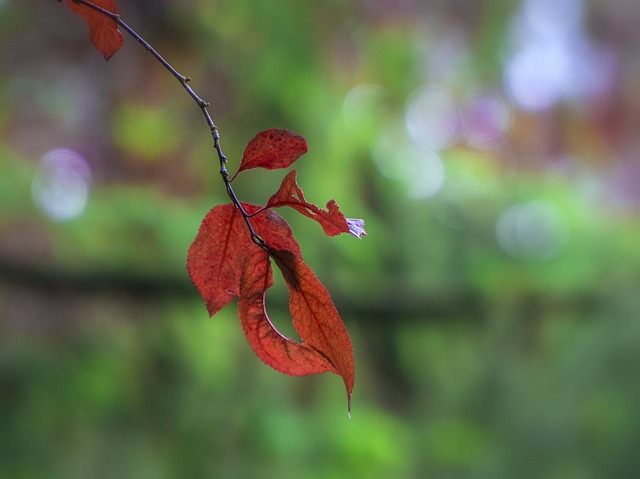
<point>315,317</point>
<point>274,349</point>
<point>271,149</point>
<point>105,35</point>
<point>331,219</point>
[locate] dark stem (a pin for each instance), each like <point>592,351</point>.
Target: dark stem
<point>184,81</point>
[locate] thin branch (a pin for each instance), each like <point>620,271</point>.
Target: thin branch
<point>202,104</point>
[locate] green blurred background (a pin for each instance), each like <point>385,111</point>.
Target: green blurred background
<point>492,148</point>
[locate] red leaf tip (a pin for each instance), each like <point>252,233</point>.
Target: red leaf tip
<point>105,35</point>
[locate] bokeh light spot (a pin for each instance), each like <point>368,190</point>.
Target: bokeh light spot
<point>535,230</point>
<point>537,76</point>
<point>361,101</point>
<point>427,176</point>
<point>61,186</point>
<point>432,119</point>
<point>554,59</point>
<point>547,18</point>
<point>421,169</point>
<point>486,117</point>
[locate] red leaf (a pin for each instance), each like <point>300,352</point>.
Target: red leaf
<point>315,317</point>
<point>273,229</point>
<point>104,31</point>
<point>332,220</point>
<point>217,255</point>
<point>281,353</point>
<point>271,149</point>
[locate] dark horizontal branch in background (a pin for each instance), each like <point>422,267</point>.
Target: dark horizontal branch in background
<point>377,308</point>
<point>146,288</point>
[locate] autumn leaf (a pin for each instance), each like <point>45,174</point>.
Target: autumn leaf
<point>271,149</point>
<point>217,255</point>
<point>281,353</point>
<point>315,317</point>
<point>332,220</point>
<point>105,35</point>
<point>273,228</point>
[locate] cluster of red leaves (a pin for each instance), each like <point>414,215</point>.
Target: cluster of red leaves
<point>232,252</point>
<point>224,262</point>
<point>104,30</point>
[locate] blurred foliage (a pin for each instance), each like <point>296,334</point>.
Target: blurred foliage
<point>494,305</point>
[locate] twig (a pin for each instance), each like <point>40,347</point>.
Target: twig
<point>202,104</point>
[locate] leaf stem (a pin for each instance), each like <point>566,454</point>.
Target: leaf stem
<point>202,104</point>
